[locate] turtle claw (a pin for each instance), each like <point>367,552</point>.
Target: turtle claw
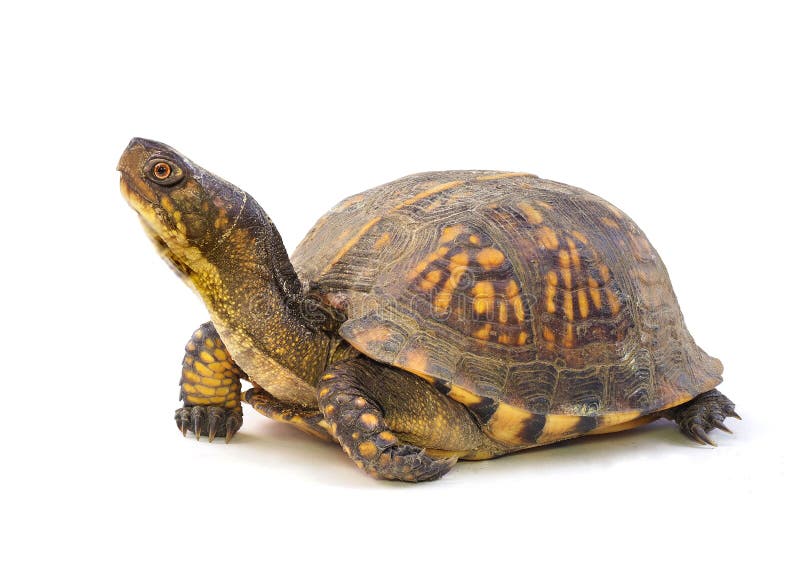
<point>702,414</point>
<point>700,436</point>
<point>182,418</point>
<point>197,420</point>
<point>216,415</point>
<point>232,423</point>
<point>722,426</point>
<point>209,421</point>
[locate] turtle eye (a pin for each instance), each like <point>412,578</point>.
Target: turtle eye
<point>163,172</point>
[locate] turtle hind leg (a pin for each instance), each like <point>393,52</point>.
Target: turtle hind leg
<point>702,414</point>
<point>355,399</point>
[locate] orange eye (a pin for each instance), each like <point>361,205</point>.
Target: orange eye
<point>161,171</point>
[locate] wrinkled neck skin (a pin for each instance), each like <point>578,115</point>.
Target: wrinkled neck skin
<point>255,300</point>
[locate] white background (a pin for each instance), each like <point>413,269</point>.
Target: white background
<point>683,115</point>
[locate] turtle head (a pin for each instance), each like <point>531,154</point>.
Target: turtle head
<point>185,210</point>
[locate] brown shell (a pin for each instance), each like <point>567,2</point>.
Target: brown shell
<point>509,289</point>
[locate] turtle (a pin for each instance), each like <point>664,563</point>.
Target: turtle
<point>441,316</point>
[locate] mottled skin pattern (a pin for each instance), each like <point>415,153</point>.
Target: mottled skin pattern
<point>460,314</point>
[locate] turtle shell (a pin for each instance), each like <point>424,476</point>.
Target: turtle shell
<point>541,307</point>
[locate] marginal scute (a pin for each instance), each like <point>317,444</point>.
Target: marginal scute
<point>515,295</point>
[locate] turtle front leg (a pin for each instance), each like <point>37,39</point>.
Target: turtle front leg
<point>210,387</point>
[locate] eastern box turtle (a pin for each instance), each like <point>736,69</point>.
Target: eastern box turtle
<point>446,315</point>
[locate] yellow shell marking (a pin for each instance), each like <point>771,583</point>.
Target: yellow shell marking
<point>580,236</point>
<point>483,292</point>
<point>502,312</point>
<point>550,291</point>
<point>459,260</point>
<point>548,238</point>
<point>613,301</point>
<point>499,176</point>
<point>382,241</point>
<point>490,258</point>
<point>483,333</point>
<point>531,213</point>
<point>594,291</point>
<point>423,264</point>
<point>431,280</point>
<point>574,257</point>
<point>450,233</point>
<point>557,427</point>
<point>568,313</point>
<point>569,339</point>
<point>519,308</point>
<point>610,223</point>
<point>463,396</point>
<point>563,259</point>
<point>352,242</point>
<point>583,303</point>
<point>508,423</point>
<point>416,361</point>
<point>433,190</point>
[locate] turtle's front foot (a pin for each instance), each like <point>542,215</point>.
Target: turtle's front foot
<point>702,414</point>
<point>209,420</point>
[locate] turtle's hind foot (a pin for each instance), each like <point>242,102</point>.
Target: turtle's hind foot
<point>702,414</point>
<point>209,420</point>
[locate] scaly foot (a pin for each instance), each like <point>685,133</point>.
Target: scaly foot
<point>702,414</point>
